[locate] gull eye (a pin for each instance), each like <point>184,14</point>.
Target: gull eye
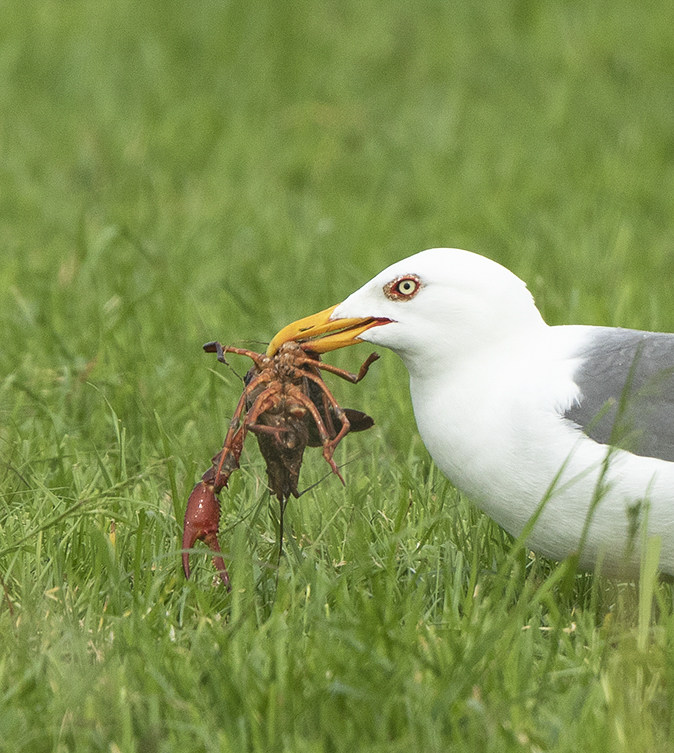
<point>406,287</point>
<point>402,288</point>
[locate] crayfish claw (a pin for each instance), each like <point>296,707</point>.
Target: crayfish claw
<point>212,540</point>
<point>215,347</point>
<point>202,518</point>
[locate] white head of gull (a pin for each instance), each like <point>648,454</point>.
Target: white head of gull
<point>573,424</point>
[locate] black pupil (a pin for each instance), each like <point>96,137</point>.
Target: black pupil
<point>406,286</point>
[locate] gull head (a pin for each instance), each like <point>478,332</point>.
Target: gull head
<point>439,305</point>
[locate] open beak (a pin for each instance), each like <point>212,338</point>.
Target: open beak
<point>323,334</point>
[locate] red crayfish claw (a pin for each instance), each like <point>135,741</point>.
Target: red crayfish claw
<point>202,518</point>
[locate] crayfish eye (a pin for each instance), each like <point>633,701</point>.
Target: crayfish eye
<point>402,288</point>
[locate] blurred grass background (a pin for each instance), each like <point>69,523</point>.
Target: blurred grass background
<point>172,173</point>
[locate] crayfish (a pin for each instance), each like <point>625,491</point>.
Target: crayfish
<point>288,406</point>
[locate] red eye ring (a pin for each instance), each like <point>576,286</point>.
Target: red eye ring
<point>402,288</point>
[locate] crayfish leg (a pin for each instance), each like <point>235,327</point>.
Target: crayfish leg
<point>348,375</point>
<point>328,444</point>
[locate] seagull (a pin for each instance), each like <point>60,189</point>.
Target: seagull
<point>562,434</point>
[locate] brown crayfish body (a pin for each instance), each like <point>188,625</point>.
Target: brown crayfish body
<point>288,406</point>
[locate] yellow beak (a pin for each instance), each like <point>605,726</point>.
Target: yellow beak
<point>321,334</point>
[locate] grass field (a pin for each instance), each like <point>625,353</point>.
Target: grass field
<point>175,172</point>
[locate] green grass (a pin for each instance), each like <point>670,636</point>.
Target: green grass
<point>174,172</point>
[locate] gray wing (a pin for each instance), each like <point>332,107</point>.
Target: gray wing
<point>626,383</point>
